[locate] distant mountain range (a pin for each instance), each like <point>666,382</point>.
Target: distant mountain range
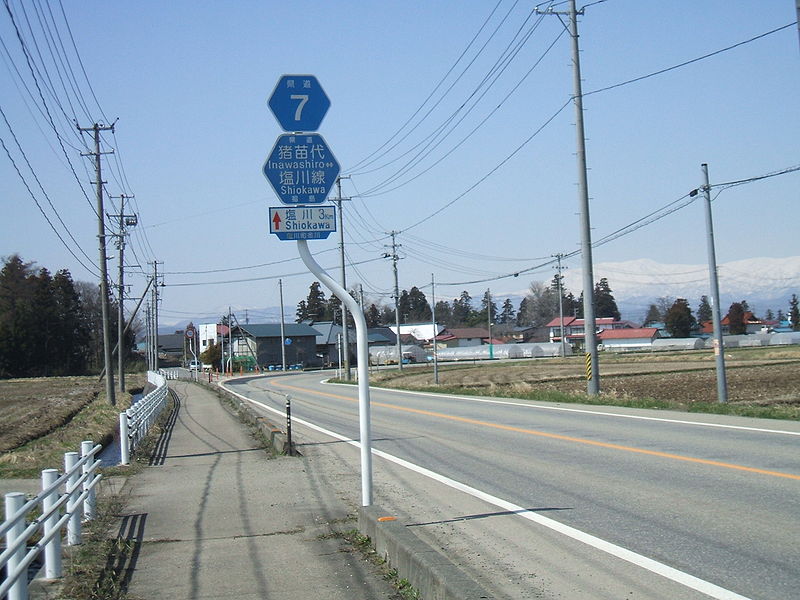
<point>765,283</point>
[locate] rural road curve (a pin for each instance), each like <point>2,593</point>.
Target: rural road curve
<point>666,506</point>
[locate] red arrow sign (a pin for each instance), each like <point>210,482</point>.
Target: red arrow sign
<point>276,220</point>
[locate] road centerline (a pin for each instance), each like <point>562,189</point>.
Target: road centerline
<point>555,436</point>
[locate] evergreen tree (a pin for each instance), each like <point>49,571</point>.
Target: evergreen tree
<point>736,324</point>
<point>487,312</point>
<point>653,316</point>
<point>404,306</point>
<point>794,313</point>
<point>302,312</point>
<point>679,320</point>
<point>419,311</point>
<point>573,307</point>
<point>72,336</point>
<point>769,316</point>
<point>780,316</point>
<point>444,313</point>
<point>523,319</point>
<point>372,316</point>
<point>745,306</point>
<point>507,314</point>
<point>605,305</point>
<point>316,305</point>
<point>387,315</point>
<point>704,312</point>
<point>462,309</point>
<point>333,310</point>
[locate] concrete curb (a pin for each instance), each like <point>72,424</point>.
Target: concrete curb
<point>431,573</point>
<point>277,438</point>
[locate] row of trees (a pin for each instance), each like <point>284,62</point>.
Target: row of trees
<point>49,324</point>
<point>539,307</point>
<point>679,321</point>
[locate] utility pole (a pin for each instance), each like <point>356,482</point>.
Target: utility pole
<point>558,258</point>
<point>719,347</point>
<point>154,315</point>
<point>489,321</point>
<point>435,333</point>
<point>283,332</point>
<point>345,333</point>
<point>395,258</point>
<point>101,235</point>
<point>590,324</point>
<point>124,221</point>
<point>148,337</point>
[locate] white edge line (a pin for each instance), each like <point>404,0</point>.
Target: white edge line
<point>580,410</point>
<point>690,581</point>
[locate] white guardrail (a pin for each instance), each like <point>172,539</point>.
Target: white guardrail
<point>57,510</point>
<point>135,422</point>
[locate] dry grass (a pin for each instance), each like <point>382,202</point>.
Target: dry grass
<point>45,417</point>
<point>758,378</point>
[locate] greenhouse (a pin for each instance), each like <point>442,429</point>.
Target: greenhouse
<point>498,351</point>
<point>387,355</point>
<point>666,344</point>
<point>781,339</point>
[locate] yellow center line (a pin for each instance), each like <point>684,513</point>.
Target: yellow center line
<point>544,434</point>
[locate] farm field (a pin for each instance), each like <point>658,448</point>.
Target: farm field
<point>43,417</point>
<point>761,381</point>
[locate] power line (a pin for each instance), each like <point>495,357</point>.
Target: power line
<point>41,210</point>
<point>688,62</point>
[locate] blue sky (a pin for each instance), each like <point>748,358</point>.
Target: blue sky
<point>189,82</point>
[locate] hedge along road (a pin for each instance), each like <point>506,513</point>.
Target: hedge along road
<point>708,503</point>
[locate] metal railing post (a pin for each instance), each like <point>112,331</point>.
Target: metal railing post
<point>74,522</point>
<point>90,503</point>
<point>14,502</point>
<point>52,550</point>
<point>124,447</point>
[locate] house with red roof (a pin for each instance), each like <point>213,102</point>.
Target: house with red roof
<point>461,337</point>
<point>628,339</point>
<point>574,328</point>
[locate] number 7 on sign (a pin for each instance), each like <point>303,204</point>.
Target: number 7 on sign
<point>298,113</point>
<point>299,103</point>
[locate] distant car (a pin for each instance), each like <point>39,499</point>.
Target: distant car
<point>195,365</point>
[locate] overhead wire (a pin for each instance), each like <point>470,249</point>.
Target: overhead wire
<point>369,159</point>
<point>513,48</point>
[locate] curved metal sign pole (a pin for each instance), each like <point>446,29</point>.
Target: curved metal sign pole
<point>363,368</point>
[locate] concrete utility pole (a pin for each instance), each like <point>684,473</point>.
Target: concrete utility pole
<point>719,347</point>
<point>101,235</point>
<point>345,332</point>
<point>124,221</point>
<point>433,318</point>
<point>558,258</point>
<point>283,332</point>
<point>590,323</point>
<point>489,321</point>
<point>154,315</point>
<point>395,258</point>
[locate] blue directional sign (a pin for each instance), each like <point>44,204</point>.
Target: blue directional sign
<point>301,168</point>
<point>302,222</point>
<point>299,102</point>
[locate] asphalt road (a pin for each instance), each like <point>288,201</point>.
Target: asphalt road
<point>654,507</point>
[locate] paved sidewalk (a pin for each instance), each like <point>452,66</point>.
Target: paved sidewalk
<point>216,518</point>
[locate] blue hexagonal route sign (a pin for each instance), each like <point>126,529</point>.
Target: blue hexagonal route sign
<point>301,168</point>
<point>299,102</point>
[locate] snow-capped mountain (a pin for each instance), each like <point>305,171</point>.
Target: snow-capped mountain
<point>765,283</point>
